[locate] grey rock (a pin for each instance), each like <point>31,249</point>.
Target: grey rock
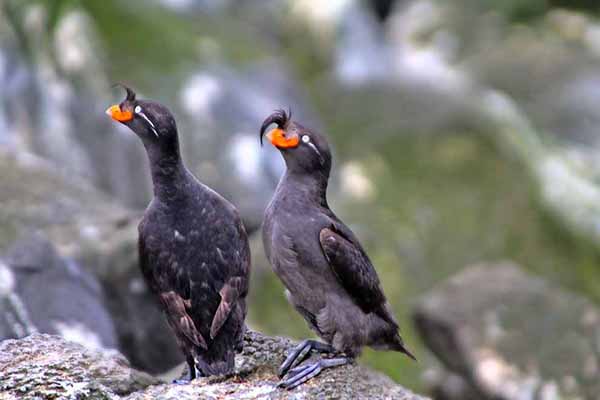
<point>98,234</point>
<point>43,366</point>
<point>502,334</point>
<point>560,101</point>
<point>361,54</point>
<point>36,196</point>
<point>56,91</point>
<point>51,294</point>
<point>256,377</point>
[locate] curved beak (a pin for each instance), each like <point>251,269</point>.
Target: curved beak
<point>117,114</point>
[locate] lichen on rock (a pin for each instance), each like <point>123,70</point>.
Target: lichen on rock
<point>43,366</point>
<point>48,367</point>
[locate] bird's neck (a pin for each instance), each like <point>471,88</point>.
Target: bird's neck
<point>169,175</point>
<point>308,187</point>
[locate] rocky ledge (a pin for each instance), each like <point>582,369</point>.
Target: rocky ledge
<point>48,367</point>
<point>502,334</point>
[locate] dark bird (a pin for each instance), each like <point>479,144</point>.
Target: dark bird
<point>329,278</point>
<point>193,248</point>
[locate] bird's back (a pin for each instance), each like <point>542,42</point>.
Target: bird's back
<point>193,246</point>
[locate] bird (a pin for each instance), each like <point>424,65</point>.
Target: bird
<point>193,248</point>
<point>328,276</point>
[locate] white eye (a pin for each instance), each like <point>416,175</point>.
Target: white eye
<point>137,109</point>
<point>305,139</point>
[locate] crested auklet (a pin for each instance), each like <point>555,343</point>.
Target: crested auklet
<point>193,248</point>
<point>329,278</point>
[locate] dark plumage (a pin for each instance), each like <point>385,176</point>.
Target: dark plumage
<point>328,276</point>
<point>193,248</point>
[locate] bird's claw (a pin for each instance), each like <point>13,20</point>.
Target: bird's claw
<point>301,352</point>
<point>303,373</point>
<point>295,371</point>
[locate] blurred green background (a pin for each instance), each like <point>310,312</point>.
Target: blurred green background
<point>462,130</point>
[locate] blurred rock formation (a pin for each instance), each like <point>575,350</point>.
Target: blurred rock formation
<point>47,293</point>
<point>503,334</point>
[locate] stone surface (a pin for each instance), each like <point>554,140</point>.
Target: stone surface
<point>44,366</point>
<point>51,294</point>
<point>502,334</point>
<point>100,235</point>
<point>256,378</point>
<point>37,196</point>
<point>56,92</point>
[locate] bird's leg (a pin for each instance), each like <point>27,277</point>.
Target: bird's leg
<point>301,352</point>
<point>191,374</point>
<point>303,373</point>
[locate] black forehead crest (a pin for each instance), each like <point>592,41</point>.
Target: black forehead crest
<point>130,93</point>
<point>279,117</point>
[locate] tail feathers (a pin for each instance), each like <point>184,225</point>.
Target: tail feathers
<point>404,350</point>
<point>209,366</point>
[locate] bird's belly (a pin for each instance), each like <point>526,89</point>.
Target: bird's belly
<point>306,287</point>
<point>329,311</point>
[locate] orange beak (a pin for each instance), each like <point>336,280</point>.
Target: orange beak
<point>278,139</point>
<point>117,114</point>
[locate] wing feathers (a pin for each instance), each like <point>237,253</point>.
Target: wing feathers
<point>355,272</point>
<point>230,293</point>
<point>176,309</point>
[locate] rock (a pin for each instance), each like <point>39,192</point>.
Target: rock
<point>49,367</point>
<point>502,334</point>
<point>36,196</point>
<point>98,234</point>
<point>56,92</point>
<point>256,377</point>
<point>548,100</point>
<point>51,294</point>
<point>43,366</point>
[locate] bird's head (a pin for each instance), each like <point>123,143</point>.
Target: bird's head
<point>304,151</point>
<point>151,121</point>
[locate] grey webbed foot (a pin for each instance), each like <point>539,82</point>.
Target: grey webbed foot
<point>303,373</point>
<point>301,352</point>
